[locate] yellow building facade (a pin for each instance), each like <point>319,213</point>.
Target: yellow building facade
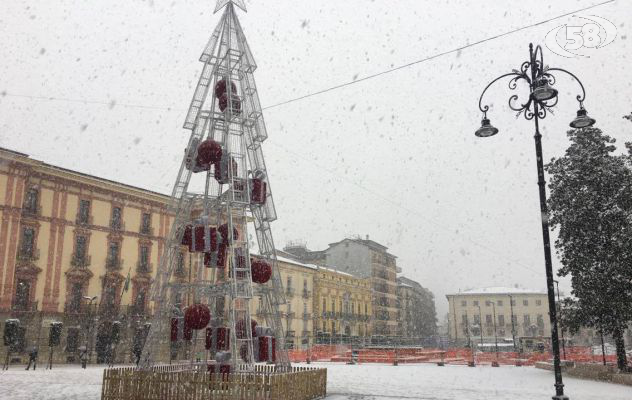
<point>342,306</point>
<point>297,314</point>
<point>68,242</point>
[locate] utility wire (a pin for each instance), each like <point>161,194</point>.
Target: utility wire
<point>388,71</point>
<point>337,175</point>
<point>432,57</point>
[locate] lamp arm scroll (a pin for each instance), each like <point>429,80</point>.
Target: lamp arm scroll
<point>580,97</point>
<point>512,86</point>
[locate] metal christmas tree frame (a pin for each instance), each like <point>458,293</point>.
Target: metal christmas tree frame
<point>222,187</point>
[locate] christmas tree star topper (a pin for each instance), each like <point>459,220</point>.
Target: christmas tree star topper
<point>222,3</point>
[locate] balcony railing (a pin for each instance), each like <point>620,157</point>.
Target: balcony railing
<point>117,225</point>
<point>28,254</point>
<point>144,268</point>
<point>83,219</point>
<point>146,230</point>
<point>113,263</point>
<point>80,261</point>
<point>32,211</point>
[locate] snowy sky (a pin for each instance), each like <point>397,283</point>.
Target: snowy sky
<point>393,157</point>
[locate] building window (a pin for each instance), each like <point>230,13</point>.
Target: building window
<point>80,247</point>
<point>501,320</point>
<point>109,298</point>
<point>526,320</point>
<point>22,295</point>
<point>488,319</point>
<point>139,302</point>
<point>113,255</point>
<point>28,242</point>
<point>475,303</point>
<point>84,212</point>
<point>538,302</point>
<point>116,218</point>
<point>464,319</point>
<point>477,319</point>
<point>30,201</point>
<point>540,320</point>
<point>76,295</point>
<point>324,305</point>
<point>145,225</point>
<point>513,302</point>
<point>488,303</point>
<point>525,302</point>
<point>180,264</point>
<point>289,283</point>
<point>499,303</point>
<point>143,259</point>
<point>333,305</point>
<point>463,303</point>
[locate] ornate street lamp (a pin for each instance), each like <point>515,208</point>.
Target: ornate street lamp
<point>542,97</point>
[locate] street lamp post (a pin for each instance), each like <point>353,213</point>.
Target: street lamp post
<point>88,327</point>
<point>557,286</point>
<point>513,325</point>
<point>495,334</point>
<point>542,97</point>
<point>480,323</point>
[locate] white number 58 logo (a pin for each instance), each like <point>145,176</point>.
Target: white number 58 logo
<point>565,40</point>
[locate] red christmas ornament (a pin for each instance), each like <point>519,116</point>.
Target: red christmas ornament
<point>223,230</point>
<point>208,152</point>
<point>240,328</point>
<point>220,88</point>
<point>235,103</point>
<point>187,236</point>
<point>261,271</point>
<point>197,316</point>
<point>258,191</point>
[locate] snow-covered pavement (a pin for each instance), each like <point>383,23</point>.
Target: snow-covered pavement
<point>348,382</point>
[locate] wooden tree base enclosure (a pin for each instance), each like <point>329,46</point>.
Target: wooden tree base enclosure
<point>192,382</point>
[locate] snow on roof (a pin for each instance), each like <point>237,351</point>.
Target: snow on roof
<point>294,262</point>
<point>499,290</point>
<point>310,266</point>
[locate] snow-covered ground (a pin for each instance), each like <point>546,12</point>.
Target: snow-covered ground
<point>349,382</point>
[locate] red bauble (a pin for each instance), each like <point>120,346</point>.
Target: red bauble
<point>197,316</point>
<point>261,271</point>
<point>223,230</point>
<point>240,328</point>
<point>187,236</point>
<point>235,103</point>
<point>220,88</point>
<point>208,152</point>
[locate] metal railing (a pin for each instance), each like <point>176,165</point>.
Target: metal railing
<point>27,254</point>
<point>113,263</point>
<point>83,219</point>
<point>144,268</point>
<point>80,261</point>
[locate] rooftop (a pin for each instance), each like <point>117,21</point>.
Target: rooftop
<point>498,290</point>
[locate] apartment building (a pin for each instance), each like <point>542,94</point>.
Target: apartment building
<point>494,311</point>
